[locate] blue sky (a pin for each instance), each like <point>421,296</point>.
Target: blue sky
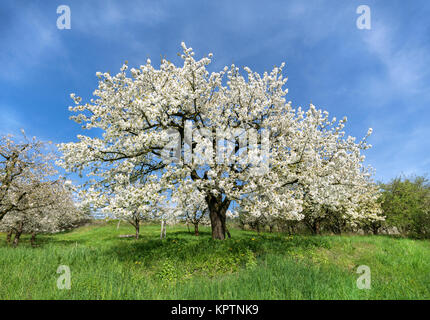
<point>378,78</point>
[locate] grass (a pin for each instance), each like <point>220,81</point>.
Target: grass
<point>248,266</point>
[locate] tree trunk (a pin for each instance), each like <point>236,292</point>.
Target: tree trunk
<point>317,227</point>
<point>18,234</point>
<point>9,236</point>
<point>196,229</point>
<point>217,214</point>
<point>137,226</point>
<point>218,225</point>
<point>375,228</point>
<point>314,226</point>
<point>16,239</point>
<point>135,222</point>
<point>163,229</point>
<point>33,239</point>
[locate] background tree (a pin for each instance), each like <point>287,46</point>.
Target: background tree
<point>24,164</point>
<point>406,205</point>
<point>131,201</point>
<point>190,206</point>
<point>55,212</point>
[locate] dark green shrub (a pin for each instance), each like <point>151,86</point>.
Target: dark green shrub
<point>406,205</point>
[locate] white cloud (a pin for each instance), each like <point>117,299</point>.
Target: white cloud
<point>406,63</point>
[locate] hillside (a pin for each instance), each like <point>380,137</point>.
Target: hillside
<point>183,266</point>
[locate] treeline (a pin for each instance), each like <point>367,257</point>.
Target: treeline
<point>405,204</point>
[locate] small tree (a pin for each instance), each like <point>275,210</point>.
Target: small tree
<point>190,206</point>
<point>131,201</point>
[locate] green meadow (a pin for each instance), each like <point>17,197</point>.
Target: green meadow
<point>250,265</point>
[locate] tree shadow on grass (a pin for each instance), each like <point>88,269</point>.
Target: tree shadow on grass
<point>150,249</point>
<point>202,233</point>
<point>183,246</point>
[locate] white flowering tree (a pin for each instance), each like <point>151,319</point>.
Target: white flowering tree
<point>24,164</point>
<point>133,202</point>
<point>233,134</point>
<point>190,205</point>
<point>51,210</point>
